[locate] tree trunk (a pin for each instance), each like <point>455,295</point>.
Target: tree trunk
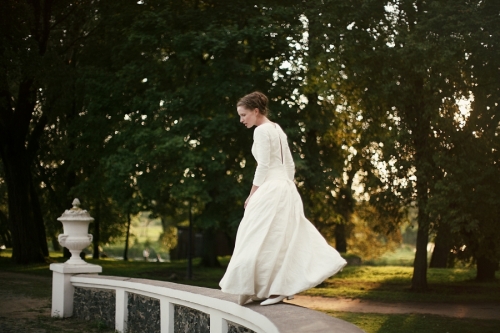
<point>5,230</point>
<point>441,250</point>
<point>346,207</point>
<point>209,256</point>
<point>96,234</point>
<point>419,279</point>
<point>6,239</point>
<point>28,233</point>
<point>340,238</point>
<point>29,244</point>
<point>423,165</point>
<point>38,217</point>
<point>125,252</point>
<point>418,111</point>
<point>55,243</point>
<point>486,268</point>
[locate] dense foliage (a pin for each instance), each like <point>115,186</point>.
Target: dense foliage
<point>131,107</point>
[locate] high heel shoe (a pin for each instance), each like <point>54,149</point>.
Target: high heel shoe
<point>275,300</point>
<point>242,299</point>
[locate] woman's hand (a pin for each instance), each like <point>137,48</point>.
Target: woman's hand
<point>252,191</point>
<point>246,201</point>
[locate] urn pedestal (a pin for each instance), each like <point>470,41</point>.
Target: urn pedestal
<point>75,238</point>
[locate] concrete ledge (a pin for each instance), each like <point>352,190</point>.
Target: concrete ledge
<point>294,319</point>
<point>277,318</point>
<point>75,269</point>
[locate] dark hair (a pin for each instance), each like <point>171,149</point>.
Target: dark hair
<point>255,100</point>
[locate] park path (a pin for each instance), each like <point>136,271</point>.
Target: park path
<point>469,310</point>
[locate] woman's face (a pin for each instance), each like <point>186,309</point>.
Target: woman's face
<point>248,117</point>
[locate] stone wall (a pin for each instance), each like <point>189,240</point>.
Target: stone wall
<point>95,305</point>
<point>190,320</point>
<point>235,328</point>
<point>143,313</point>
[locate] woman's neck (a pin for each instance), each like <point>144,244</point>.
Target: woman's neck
<point>262,120</point>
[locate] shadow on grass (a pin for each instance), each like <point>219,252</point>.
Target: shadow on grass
<point>393,284</point>
<point>413,323</point>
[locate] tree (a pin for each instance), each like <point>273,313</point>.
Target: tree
<point>466,199</point>
<point>396,65</point>
<point>52,47</point>
<point>178,77</point>
<point>483,63</point>
<point>28,62</point>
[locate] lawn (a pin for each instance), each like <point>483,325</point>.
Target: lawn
<point>392,283</point>
<point>416,323</point>
<point>174,271</point>
<point>380,283</point>
<point>27,302</point>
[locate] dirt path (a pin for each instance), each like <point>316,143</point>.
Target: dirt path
<point>15,302</point>
<point>25,307</point>
<point>479,311</point>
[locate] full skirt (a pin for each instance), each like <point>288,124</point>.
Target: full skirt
<point>278,251</point>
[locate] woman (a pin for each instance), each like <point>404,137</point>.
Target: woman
<point>278,252</point>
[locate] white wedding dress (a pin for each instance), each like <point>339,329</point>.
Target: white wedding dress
<point>277,251</point>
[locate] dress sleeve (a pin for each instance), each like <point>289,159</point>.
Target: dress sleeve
<point>289,164</point>
<point>262,154</point>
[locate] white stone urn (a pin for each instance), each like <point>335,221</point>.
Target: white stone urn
<point>75,237</point>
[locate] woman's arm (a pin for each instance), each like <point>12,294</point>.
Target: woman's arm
<point>254,188</point>
<point>262,144</point>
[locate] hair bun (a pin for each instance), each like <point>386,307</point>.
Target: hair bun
<point>255,100</point>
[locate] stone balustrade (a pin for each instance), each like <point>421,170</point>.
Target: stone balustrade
<point>141,305</point>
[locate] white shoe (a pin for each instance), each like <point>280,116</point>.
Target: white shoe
<point>275,300</point>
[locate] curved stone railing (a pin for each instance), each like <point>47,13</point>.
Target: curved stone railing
<point>140,305</point>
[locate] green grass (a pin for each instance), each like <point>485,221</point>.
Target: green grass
<point>392,284</point>
<point>36,317</point>
<point>174,271</point>
<point>403,256</point>
<point>29,286</point>
<point>389,284</point>
<point>144,233</point>
<point>416,323</point>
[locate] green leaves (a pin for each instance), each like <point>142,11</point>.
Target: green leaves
<point>173,134</point>
<point>136,104</point>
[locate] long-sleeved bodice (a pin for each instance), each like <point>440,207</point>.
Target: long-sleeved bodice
<point>272,153</point>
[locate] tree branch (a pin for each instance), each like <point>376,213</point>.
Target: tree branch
<point>64,17</point>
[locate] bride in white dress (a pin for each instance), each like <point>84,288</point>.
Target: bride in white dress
<point>278,252</point>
